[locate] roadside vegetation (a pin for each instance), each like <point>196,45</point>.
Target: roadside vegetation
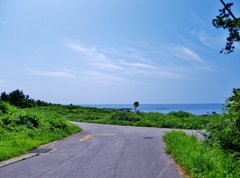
<point>199,159</point>
<point>181,119</point>
<point>21,131</point>
<point>218,155</point>
<point>26,123</point>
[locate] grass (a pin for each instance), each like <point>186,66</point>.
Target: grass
<point>199,159</point>
<point>15,144</point>
<point>23,130</point>
<point>181,120</point>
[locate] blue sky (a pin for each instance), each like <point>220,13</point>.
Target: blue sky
<point>116,51</point>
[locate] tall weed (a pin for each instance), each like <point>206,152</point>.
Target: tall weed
<point>199,159</point>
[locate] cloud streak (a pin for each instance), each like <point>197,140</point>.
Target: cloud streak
<point>64,74</point>
<point>90,53</point>
<point>186,54</point>
<point>118,65</point>
<point>137,65</point>
<point>104,78</point>
<point>213,42</point>
<point>107,66</point>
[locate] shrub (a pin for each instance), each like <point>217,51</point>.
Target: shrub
<point>124,116</point>
<point>29,121</point>
<point>90,117</point>
<point>233,102</point>
<point>225,133</point>
<point>3,108</point>
<point>180,114</point>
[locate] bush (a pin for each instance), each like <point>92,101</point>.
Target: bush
<point>3,108</point>
<point>226,133</point>
<point>233,102</point>
<point>180,114</point>
<point>123,116</point>
<point>29,121</point>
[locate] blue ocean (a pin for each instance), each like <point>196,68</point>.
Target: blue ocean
<point>197,109</point>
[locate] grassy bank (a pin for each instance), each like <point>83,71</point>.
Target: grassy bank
<point>200,159</point>
<point>23,130</point>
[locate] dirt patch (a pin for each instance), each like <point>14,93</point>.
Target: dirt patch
<point>180,170</point>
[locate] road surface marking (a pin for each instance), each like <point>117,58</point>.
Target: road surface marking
<point>104,134</point>
<point>86,137</point>
<point>91,135</point>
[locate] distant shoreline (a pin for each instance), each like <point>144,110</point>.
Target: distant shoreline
<point>197,109</point>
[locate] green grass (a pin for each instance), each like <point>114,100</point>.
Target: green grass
<point>199,159</point>
<point>181,120</point>
<point>23,130</point>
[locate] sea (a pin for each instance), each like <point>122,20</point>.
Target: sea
<point>197,109</point>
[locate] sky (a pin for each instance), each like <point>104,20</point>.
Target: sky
<point>116,51</point>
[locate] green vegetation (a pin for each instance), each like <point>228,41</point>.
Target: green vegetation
<point>19,99</point>
<point>219,154</point>
<point>226,133</point>
<point>181,119</point>
<point>200,159</point>
<point>227,20</point>
<point>21,131</point>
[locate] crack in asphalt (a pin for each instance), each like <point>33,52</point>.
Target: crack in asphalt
<point>117,162</point>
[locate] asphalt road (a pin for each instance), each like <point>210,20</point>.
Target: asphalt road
<point>100,151</point>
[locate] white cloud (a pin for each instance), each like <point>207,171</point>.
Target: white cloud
<point>206,68</point>
<point>197,20</point>
<point>89,53</point>
<point>129,54</point>
<point>115,65</point>
<point>103,77</point>
<point>107,66</point>
<point>66,70</point>
<point>214,42</point>
<point>52,73</point>
<point>158,73</point>
<point>203,37</point>
<point>208,35</point>
<point>137,65</point>
<point>185,53</point>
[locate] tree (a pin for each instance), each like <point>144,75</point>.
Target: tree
<point>4,96</point>
<point>233,102</point>
<point>227,20</point>
<point>19,99</point>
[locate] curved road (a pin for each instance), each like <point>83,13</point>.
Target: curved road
<point>100,151</point>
